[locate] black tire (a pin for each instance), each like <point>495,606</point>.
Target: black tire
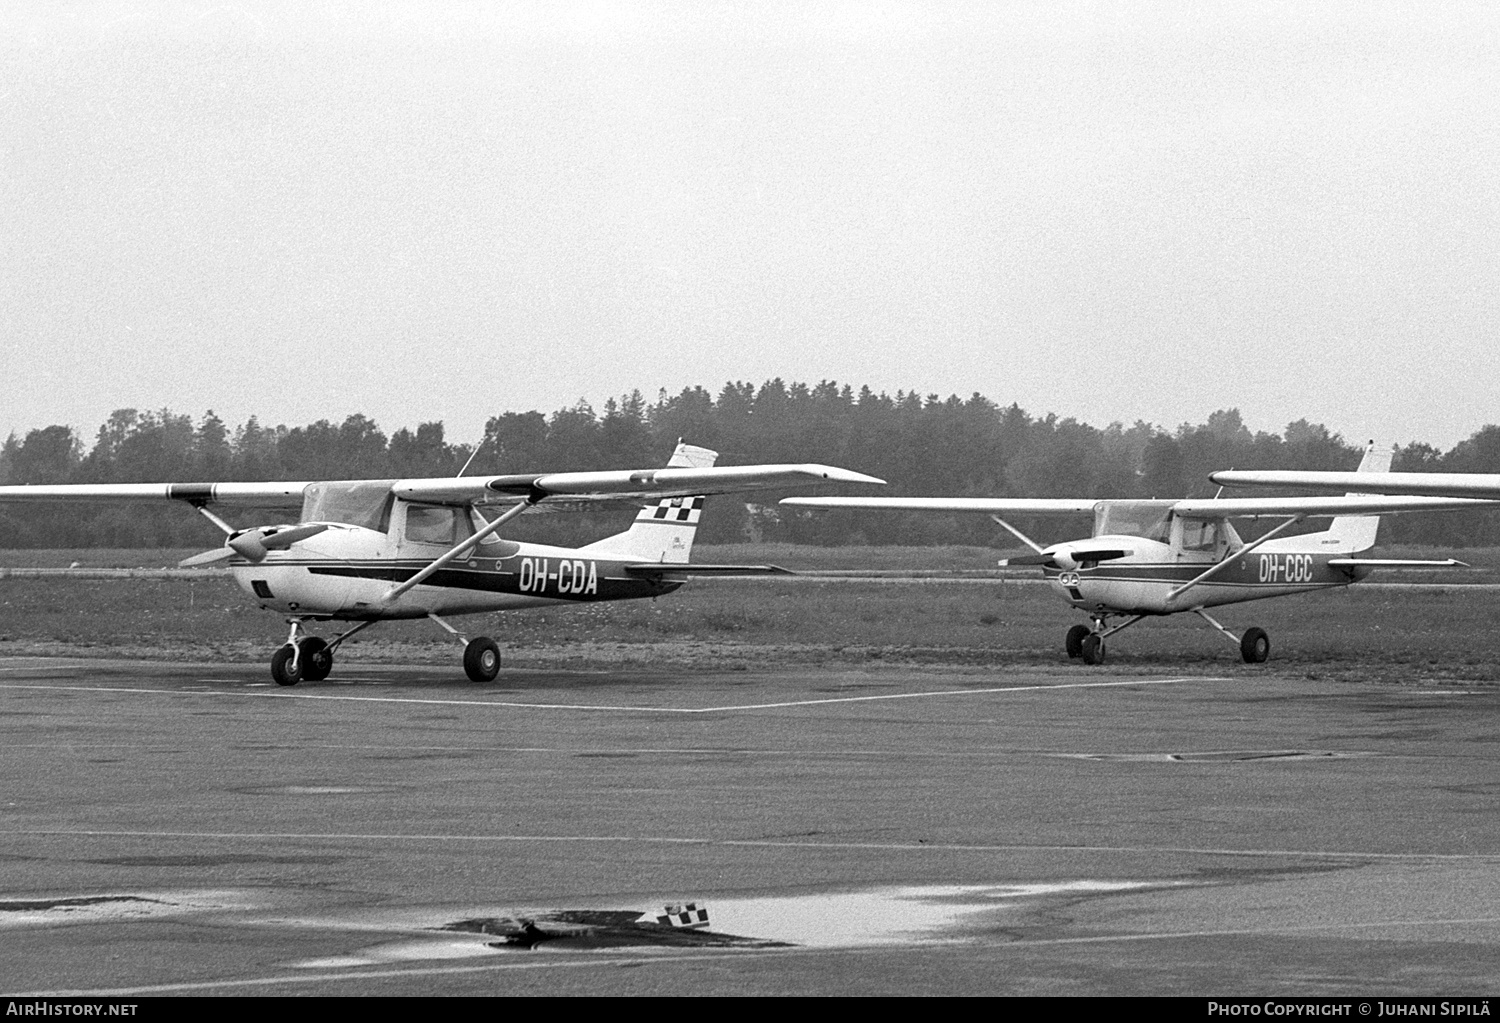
<point>482,659</point>
<point>281,667</point>
<point>1074,642</point>
<point>315,658</point>
<point>1093,649</point>
<point>1255,646</point>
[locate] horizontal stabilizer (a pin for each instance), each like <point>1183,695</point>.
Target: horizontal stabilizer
<point>663,568</point>
<point>1396,563</point>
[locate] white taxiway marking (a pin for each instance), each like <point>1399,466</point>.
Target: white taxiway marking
<point>513,705</point>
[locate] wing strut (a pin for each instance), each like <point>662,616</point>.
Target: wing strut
<point>457,552</point>
<point>1016,533</point>
<point>1174,594</point>
<point>210,516</point>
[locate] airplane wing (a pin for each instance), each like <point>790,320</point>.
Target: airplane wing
<point>990,505</point>
<point>251,495</point>
<point>575,486</point>
<point>1445,484</point>
<point>614,484</point>
<point>1342,504</point>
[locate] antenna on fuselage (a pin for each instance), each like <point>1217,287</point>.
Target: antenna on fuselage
<point>475,454</point>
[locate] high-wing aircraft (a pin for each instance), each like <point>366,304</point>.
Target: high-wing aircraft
<point>1438,484</point>
<point>365,551</point>
<point>1153,558</point>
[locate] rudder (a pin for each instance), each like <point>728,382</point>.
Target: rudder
<point>664,531</point>
<point>1355,533</point>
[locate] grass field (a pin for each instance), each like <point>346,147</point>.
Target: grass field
<point>1423,634</point>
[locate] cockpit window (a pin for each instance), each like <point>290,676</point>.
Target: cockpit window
<point>477,522</point>
<point>436,523</point>
<point>1150,520</point>
<point>1200,534</point>
<point>365,503</point>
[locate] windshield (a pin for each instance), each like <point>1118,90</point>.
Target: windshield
<point>364,503</point>
<point>1150,520</point>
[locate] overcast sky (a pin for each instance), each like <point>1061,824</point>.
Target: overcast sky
<point>1113,211</point>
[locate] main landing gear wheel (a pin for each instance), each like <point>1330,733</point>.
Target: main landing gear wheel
<point>281,666</point>
<point>315,659</point>
<point>1092,649</point>
<point>1255,646</point>
<point>1074,642</point>
<point>482,659</point>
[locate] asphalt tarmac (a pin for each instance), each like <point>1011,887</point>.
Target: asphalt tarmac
<point>193,829</point>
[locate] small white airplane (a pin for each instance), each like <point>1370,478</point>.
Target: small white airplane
<point>1436,484</point>
<point>366,551</point>
<point>1155,558</point>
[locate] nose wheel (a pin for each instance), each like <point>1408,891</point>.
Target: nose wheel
<point>1092,649</point>
<point>304,657</point>
<point>1087,644</point>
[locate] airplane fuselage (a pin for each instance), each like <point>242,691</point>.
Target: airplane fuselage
<point>1142,583</point>
<point>344,573</point>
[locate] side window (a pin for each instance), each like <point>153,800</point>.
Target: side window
<point>430,524</point>
<point>477,522</point>
<point>1199,534</point>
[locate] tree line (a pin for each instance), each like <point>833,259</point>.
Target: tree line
<point>921,444</point>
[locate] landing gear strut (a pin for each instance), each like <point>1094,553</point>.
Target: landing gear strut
<point>1255,645</point>
<point>1088,644</point>
<point>481,654</point>
<point>306,657</point>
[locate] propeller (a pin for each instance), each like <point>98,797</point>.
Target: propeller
<point>254,544</point>
<point>1066,558</point>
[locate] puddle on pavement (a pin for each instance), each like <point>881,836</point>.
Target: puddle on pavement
<point>932,913</point>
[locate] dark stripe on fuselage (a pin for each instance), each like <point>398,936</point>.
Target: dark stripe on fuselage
<point>489,581</point>
<point>1314,570</point>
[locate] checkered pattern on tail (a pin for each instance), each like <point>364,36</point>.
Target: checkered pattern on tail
<point>663,531</point>
<point>675,509</point>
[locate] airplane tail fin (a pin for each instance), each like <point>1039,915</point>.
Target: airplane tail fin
<point>663,532</point>
<point>1354,533</point>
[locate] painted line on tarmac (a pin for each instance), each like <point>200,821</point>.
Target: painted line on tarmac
<point>357,975</point>
<point>969,692</point>
<point>619,707</point>
<point>757,843</point>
